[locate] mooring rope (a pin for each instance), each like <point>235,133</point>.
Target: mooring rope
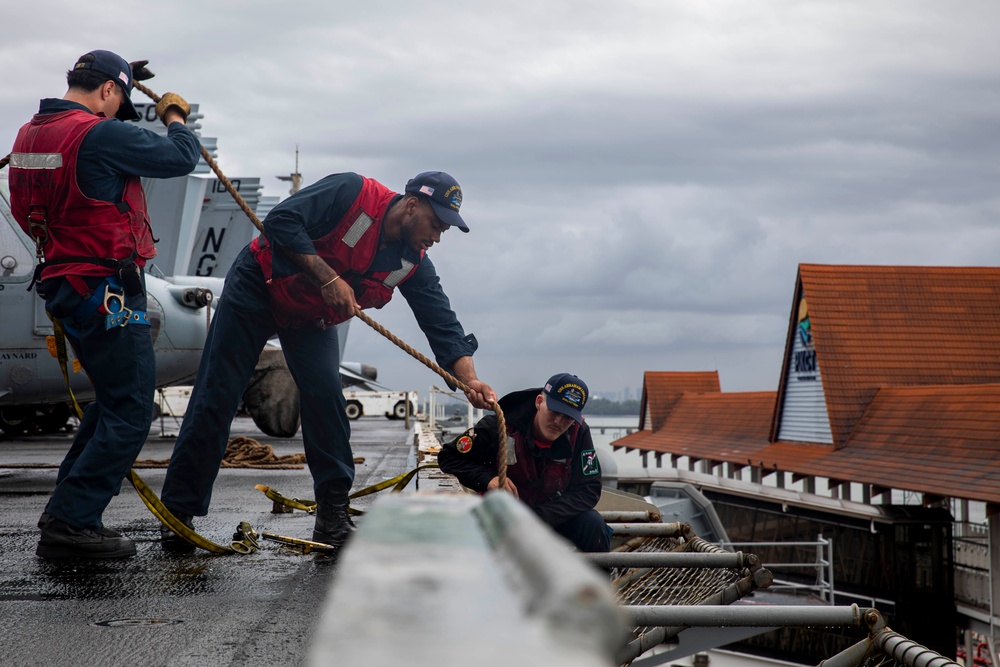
<point>451,379</point>
<point>501,424</point>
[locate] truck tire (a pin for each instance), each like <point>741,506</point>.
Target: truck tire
<point>271,397</point>
<point>353,410</point>
<point>53,418</point>
<point>399,410</point>
<point>16,419</point>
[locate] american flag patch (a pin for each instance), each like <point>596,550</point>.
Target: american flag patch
<point>427,190</point>
<point>124,77</point>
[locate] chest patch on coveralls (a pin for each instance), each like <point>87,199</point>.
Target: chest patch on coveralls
<point>588,461</point>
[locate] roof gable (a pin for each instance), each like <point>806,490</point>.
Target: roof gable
<point>662,389</point>
<point>880,326</point>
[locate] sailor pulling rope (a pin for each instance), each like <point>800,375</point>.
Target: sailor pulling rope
<point>149,497</point>
<point>501,424</point>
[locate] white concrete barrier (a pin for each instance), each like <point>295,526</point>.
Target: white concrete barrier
<point>433,580</point>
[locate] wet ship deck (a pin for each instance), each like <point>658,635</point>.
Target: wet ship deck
<point>160,609</point>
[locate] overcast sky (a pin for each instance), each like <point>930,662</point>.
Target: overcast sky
<point>642,178</point>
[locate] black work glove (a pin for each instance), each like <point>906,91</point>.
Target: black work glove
<point>139,70</point>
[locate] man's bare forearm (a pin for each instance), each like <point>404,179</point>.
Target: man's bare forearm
<point>318,271</point>
<point>336,293</point>
<point>479,394</point>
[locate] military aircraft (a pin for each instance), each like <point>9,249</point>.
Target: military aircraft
<point>201,230</point>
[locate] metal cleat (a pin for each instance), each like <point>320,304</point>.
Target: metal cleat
<point>245,539</point>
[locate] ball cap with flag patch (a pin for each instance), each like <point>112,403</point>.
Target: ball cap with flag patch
<point>566,394</point>
<point>115,68</point>
<point>444,193</point>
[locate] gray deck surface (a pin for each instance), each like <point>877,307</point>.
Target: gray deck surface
<point>161,609</point>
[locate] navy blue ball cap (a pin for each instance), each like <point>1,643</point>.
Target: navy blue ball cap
<point>445,195</point>
<point>118,70</point>
<point>566,394</point>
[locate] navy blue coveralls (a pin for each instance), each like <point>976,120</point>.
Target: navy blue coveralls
<point>242,325</point>
<point>570,512</point>
<point>120,360</point>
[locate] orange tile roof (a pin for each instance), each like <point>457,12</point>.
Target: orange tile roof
<point>910,363</point>
<point>662,389</point>
<point>710,426</point>
<point>941,440</point>
<point>883,326</point>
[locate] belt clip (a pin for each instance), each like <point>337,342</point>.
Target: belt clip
<point>116,316</point>
<point>38,225</point>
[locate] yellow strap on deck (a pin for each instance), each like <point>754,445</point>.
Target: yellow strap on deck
<point>398,483</point>
<point>161,512</point>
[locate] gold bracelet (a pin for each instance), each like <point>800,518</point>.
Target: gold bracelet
<point>330,282</point>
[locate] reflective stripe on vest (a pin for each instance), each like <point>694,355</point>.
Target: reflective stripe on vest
<point>399,274</point>
<point>358,229</point>
<point>36,160</point>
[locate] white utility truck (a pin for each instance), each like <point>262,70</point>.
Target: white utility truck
<point>391,404</point>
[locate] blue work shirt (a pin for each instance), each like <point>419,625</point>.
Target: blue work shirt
<point>314,211</point>
<point>114,150</point>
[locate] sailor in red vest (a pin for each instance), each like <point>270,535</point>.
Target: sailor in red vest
<point>552,465</point>
<point>346,241</point>
<point>75,189</point>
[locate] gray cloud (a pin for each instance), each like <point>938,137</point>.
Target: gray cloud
<point>642,178</point>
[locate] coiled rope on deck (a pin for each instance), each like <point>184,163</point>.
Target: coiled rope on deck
<point>501,423</point>
<point>243,452</point>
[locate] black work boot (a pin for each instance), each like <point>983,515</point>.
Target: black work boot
<point>61,540</point>
<point>104,530</point>
<point>333,521</point>
<point>174,543</point>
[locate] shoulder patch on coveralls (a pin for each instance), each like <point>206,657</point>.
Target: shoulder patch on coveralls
<point>464,443</point>
<point>588,461</point>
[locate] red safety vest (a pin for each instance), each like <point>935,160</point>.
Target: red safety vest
<point>47,202</point>
<point>539,479</point>
<point>349,249</point>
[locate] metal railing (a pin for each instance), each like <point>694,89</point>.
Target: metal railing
<point>971,559</point>
<point>824,586</point>
<point>436,410</point>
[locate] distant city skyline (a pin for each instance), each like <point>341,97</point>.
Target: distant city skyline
<point>617,396</point>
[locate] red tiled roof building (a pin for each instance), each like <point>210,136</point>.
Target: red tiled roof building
<point>890,379</point>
